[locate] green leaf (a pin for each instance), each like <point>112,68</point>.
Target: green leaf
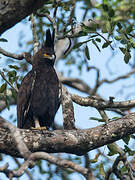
<point>111,13</point>
<point>89,29</point>
<point>70,61</point>
<point>43,10</point>
<point>126,139</point>
<point>94,42</point>
<point>128,150</point>
<point>12,73</point>
<point>118,38</point>
<point>7,102</point>
<point>3,87</point>
<point>87,52</point>
<point>78,45</point>
<point>132,42</point>
<point>119,25</point>
<point>112,148</point>
<point>95,35</point>
<point>123,169</point>
<point>105,7</point>
<point>95,159</point>
<point>114,118</point>
<point>101,170</point>
<point>123,50</point>
<point>108,26</point>
<point>106,44</point>
<point>93,15</point>
<point>14,67</point>
<point>127,57</point>
<point>124,41</point>
<point>3,40</point>
<point>98,39</point>
<point>97,119</point>
<point>129,29</point>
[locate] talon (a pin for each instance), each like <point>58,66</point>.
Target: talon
<point>39,128</point>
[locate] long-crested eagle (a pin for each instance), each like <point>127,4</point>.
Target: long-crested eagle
<point>38,97</point>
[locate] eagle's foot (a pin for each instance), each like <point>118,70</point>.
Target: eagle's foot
<point>39,128</point>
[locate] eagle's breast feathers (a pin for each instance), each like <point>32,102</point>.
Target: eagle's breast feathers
<point>38,95</point>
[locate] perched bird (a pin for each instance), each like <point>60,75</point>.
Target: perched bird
<point>38,97</point>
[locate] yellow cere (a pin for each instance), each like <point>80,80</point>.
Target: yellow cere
<point>46,55</point>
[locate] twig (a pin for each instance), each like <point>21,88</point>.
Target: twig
<point>103,115</point>
<point>55,10</point>
<point>3,76</point>
<point>94,90</point>
<point>5,166</point>
<point>125,76</point>
<point>129,168</point>
<point>71,12</point>
<point>35,39</point>
<point>76,83</point>
<point>52,20</point>
<point>104,39</point>
<point>115,170</point>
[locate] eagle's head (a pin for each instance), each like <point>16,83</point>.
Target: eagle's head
<point>46,55</point>
<point>48,47</point>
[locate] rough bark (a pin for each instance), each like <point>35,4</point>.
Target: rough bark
<point>13,11</point>
<point>70,141</point>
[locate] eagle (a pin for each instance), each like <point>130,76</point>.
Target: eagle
<point>38,97</point>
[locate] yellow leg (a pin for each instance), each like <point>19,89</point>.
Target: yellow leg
<point>37,125</point>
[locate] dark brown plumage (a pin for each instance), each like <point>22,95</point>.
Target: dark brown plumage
<point>38,97</point>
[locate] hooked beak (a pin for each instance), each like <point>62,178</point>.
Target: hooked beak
<point>49,56</point>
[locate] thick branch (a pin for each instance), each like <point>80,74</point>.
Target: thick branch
<point>11,12</point>
<point>20,145</point>
<point>67,109</point>
<point>70,141</point>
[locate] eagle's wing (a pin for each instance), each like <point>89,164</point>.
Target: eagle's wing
<point>23,98</point>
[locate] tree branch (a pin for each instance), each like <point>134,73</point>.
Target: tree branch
<point>18,141</point>
<point>25,55</point>
<point>76,83</point>
<point>35,39</point>
<point>101,104</point>
<point>12,12</point>
<point>67,109</point>
<point>70,141</point>
<point>12,55</point>
<point>44,156</point>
